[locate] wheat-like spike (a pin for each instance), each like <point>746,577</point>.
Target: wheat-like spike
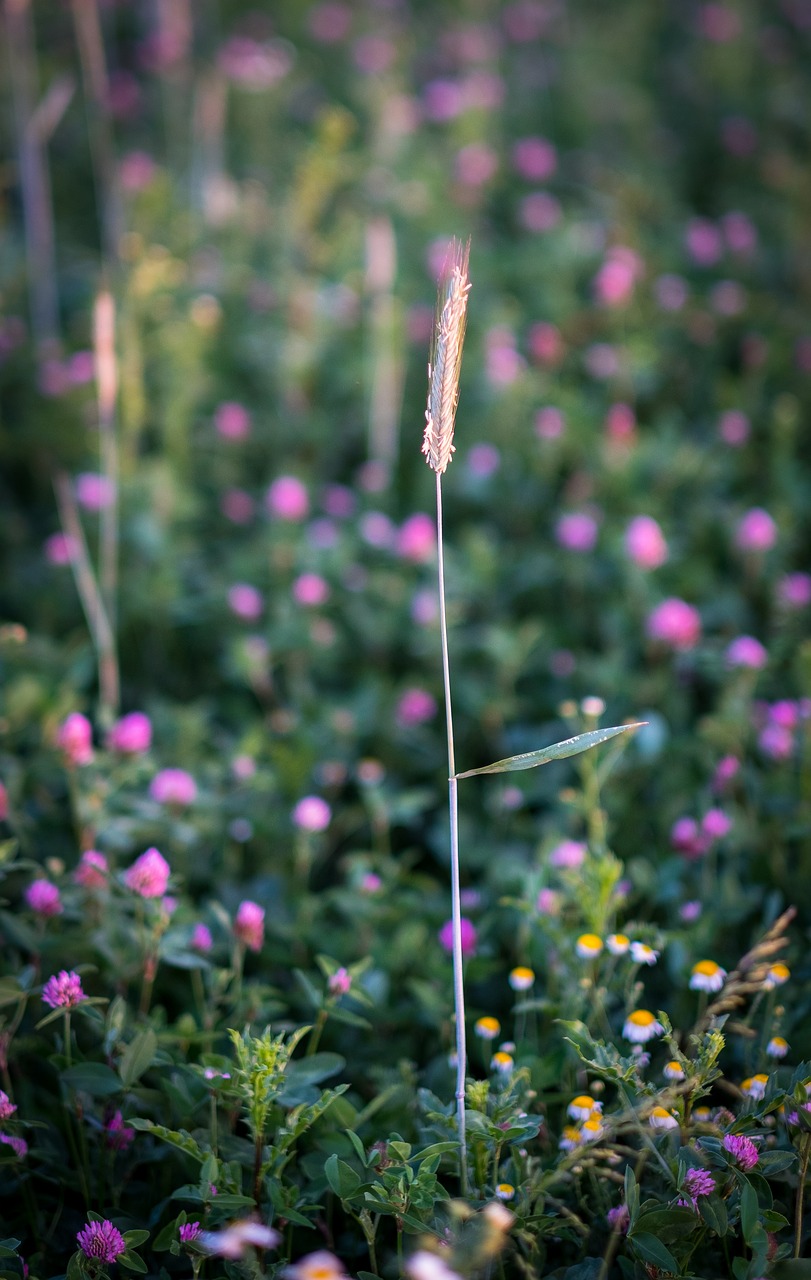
<point>446,358</point>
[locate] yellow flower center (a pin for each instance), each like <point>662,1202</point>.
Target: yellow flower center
<point>707,968</point>
<point>641,1018</point>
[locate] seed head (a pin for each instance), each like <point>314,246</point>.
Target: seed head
<point>446,358</point>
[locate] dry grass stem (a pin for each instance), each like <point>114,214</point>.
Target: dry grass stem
<point>446,358</point>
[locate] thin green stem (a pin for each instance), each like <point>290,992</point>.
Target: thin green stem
<point>805,1155</point>
<point>456,906</point>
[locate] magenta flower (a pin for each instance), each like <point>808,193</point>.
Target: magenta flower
<point>726,770</point>
<point>310,590</point>
<point>620,423</point>
<point>746,651</point>
<point>546,344</point>
<point>173,786</point>
<point>483,459</point>
<point>776,742</point>
<point>539,212</point>
<point>94,492</point>
<point>548,902</point>
<point>576,531</point>
<point>415,707</point>
<point>249,925</point>
<point>63,990</point>
<point>101,1241</point>
<point>118,1135</point>
<point>469,937</point>
<point>59,548</point>
<point>201,939</point>
<point>416,538</point>
<point>568,855</point>
<point>287,499</point>
<point>3,802</point>
<point>756,531</point>
<point>237,506</point>
<point>91,872</point>
<point>742,1150</point>
<point>312,814</point>
<point>619,1218</point>
<point>149,875</point>
<point>232,420</point>
<point>794,591</point>
<point>645,543</point>
<point>18,1145</point>
<point>43,898</point>
<point>716,824</point>
<point>734,428</point>
<point>131,735</point>
<point>189,1231</point>
<point>339,982</point>
<point>245,601</point>
<point>615,280</point>
<point>74,737</point>
<point>7,1107</point>
<point>687,839</point>
<point>697,1183</point>
<point>534,159</point>
<point>676,624</point>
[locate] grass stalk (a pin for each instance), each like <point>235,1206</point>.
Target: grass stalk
<point>440,418</point>
<point>456,900</point>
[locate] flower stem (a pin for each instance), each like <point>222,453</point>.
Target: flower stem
<point>805,1155</point>
<point>456,907</point>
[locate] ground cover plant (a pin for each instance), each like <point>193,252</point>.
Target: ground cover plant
<point>228,1042</point>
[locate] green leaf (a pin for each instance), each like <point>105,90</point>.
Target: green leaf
<point>772,1162</point>
<point>175,1137</point>
<point>134,1238</point>
<point>714,1212</point>
<point>660,1222</point>
<point>95,1078</point>
<point>312,1070</point>
<point>652,1250</point>
<point>341,1177</point>
<point>558,751</point>
<point>749,1211</point>
<point>137,1057</point>
<point>132,1262</point>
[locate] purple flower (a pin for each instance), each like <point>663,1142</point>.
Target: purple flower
<point>118,1135</point>
<point>312,813</point>
<point>43,898</point>
<point>131,735</point>
<point>686,838</point>
<point>310,590</point>
<point>189,1231</point>
<point>232,420</point>
<point>756,531</point>
<point>201,939</point>
<point>742,1150</point>
<point>416,538</point>
<point>101,1241</point>
<point>93,491</point>
<point>74,737</point>
<point>568,855</point>
<point>91,872</point>
<point>619,1218</point>
<point>468,936</point>
<point>148,875</point>
<point>339,982</point>
<point>794,590</point>
<point>697,1183</point>
<point>173,786</point>
<point>645,543</point>
<point>534,159</point>
<point>7,1107</point>
<point>746,651</point>
<point>249,925</point>
<point>716,824</point>
<point>18,1145</point>
<point>576,531</point>
<point>415,707</point>
<point>245,601</point>
<point>287,499</point>
<point>676,624</point>
<point>63,990</point>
